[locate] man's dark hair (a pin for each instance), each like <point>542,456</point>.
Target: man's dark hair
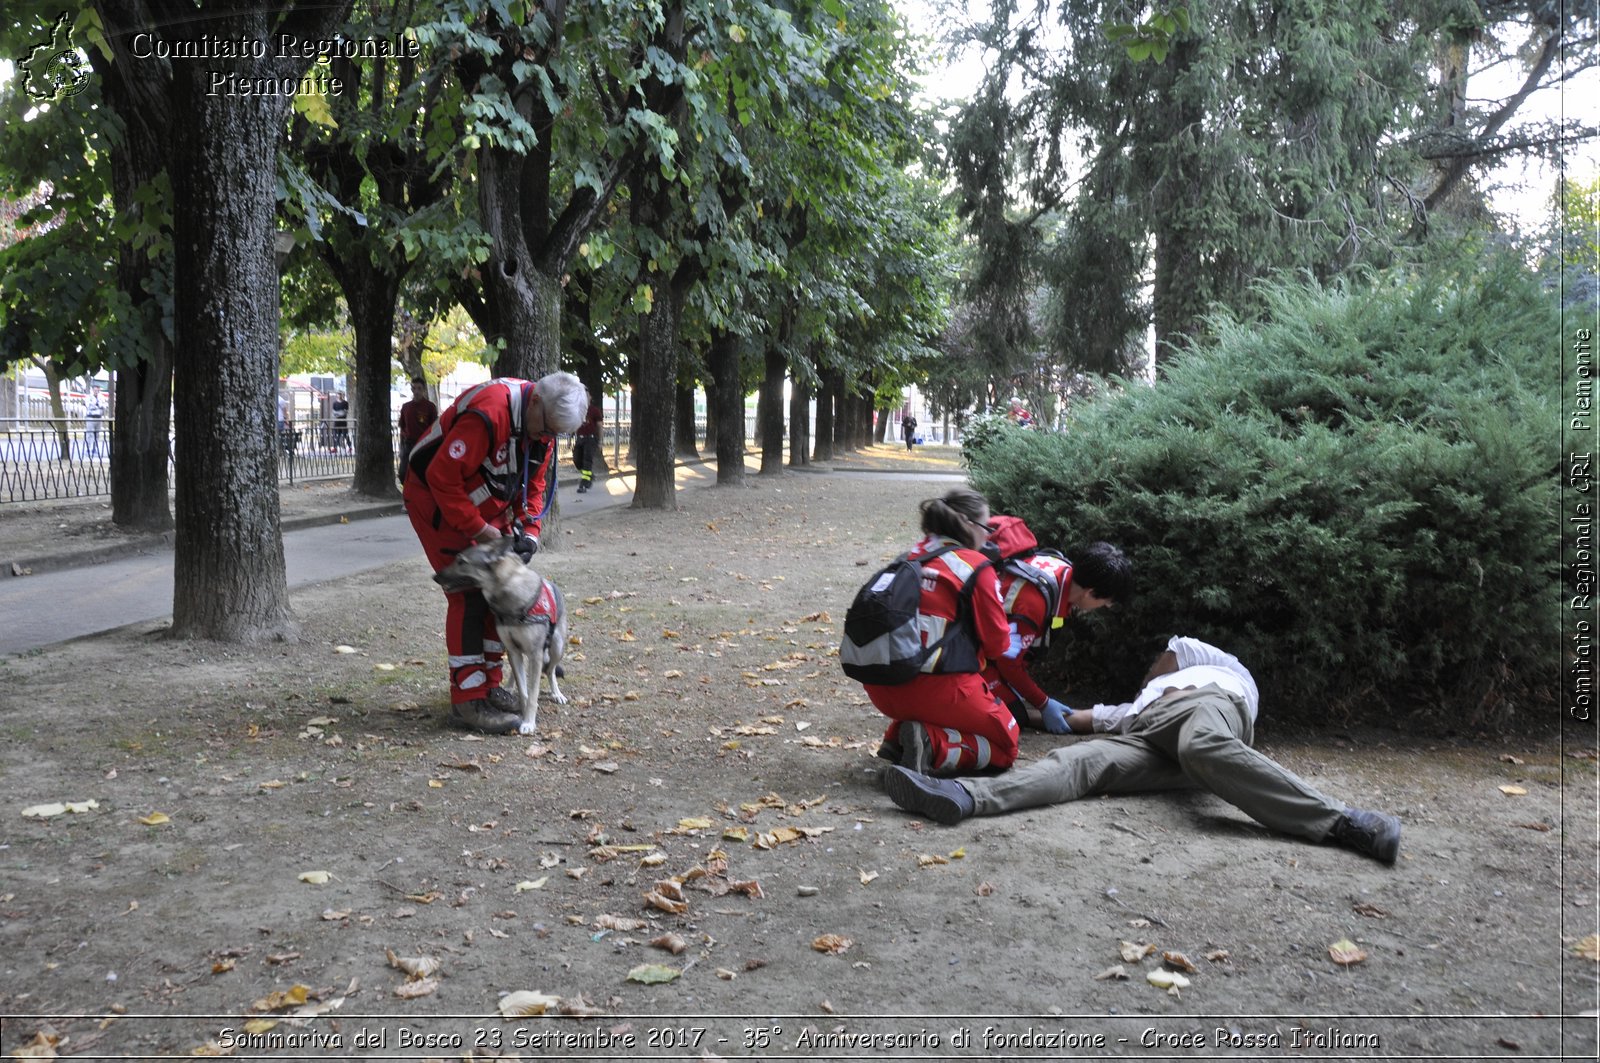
<point>1105,570</point>
<point>419,380</point>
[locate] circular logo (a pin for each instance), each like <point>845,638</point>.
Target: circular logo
<point>65,71</point>
<point>458,450</point>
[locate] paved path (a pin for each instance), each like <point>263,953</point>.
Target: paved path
<point>71,603</point>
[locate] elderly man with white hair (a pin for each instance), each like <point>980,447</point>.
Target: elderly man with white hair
<point>1191,726</point>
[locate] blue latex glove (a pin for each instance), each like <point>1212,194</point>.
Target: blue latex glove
<point>1055,717</point>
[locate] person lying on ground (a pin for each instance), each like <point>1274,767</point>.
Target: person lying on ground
<point>1191,726</point>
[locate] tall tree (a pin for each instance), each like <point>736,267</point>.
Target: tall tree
<point>92,286</point>
<point>383,154</point>
<point>229,578</point>
<point>1229,139</point>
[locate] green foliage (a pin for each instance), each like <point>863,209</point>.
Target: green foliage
<point>1355,495</point>
<point>982,435</point>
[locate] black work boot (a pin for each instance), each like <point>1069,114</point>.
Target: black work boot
<point>481,716</point>
<point>501,699</point>
<point>1373,834</point>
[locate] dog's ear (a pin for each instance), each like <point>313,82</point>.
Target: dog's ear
<point>500,547</point>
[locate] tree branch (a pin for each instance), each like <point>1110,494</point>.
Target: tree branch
<point>1457,169</point>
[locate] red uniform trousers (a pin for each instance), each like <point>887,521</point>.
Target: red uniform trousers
<point>969,728</point>
<point>470,636</point>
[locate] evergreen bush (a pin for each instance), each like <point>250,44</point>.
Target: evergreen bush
<point>1358,494</point>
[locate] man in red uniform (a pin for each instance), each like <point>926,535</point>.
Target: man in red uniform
<point>416,417</point>
<point>483,470</point>
<point>1099,576</point>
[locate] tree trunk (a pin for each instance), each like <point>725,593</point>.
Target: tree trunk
<point>880,433</point>
<point>722,362</point>
<point>684,432</point>
<point>1177,302</point>
<point>229,581</point>
<point>823,450</point>
<point>770,410</point>
<point>372,298</point>
<point>58,412</point>
<point>142,402</point>
<point>799,424</point>
<point>523,302</point>
<point>140,454</point>
<point>655,484</point>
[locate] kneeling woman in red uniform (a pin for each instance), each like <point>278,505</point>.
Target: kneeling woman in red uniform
<point>946,720</point>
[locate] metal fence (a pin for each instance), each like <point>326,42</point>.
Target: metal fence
<point>43,459</point>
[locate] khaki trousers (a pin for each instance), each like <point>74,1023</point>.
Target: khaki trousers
<point>1199,737</point>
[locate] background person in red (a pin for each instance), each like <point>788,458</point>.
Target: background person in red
<point>1097,576</point>
<point>486,469</point>
<point>586,446</point>
<point>947,721</point>
<point>416,417</point>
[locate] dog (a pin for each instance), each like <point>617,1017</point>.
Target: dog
<point>529,612</point>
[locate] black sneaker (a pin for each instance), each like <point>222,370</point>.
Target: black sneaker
<point>889,751</point>
<point>481,716</point>
<point>916,748</point>
<point>1373,834</point>
<point>941,800</point>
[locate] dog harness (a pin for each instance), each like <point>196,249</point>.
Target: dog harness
<point>543,609</point>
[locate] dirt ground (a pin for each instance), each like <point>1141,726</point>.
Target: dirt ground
<point>269,835</point>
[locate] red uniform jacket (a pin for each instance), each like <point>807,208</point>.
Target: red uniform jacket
<point>1025,608</point>
<point>478,468</point>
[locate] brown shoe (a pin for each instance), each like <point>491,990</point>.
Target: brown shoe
<point>481,716</point>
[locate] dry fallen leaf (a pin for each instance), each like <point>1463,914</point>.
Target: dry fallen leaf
<point>1132,953</point>
<point>1178,962</point>
<point>931,860</point>
<point>315,878</point>
<point>1346,952</point>
<point>1162,978</point>
<point>666,904</point>
<point>413,966</point>
<point>525,1002</point>
<point>1589,948</point>
<point>292,997</point>
<point>1513,791</point>
<point>673,943</point>
<point>832,944</point>
<point>1218,956</point>
<point>867,876</point>
<point>420,988</point>
<point>1370,910</point>
<point>59,808</point>
<point>653,973</point>
<point>1115,974</point>
<point>622,923</point>
<point>537,884</point>
<point>155,819</point>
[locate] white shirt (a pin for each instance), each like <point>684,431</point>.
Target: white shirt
<point>1199,664</point>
